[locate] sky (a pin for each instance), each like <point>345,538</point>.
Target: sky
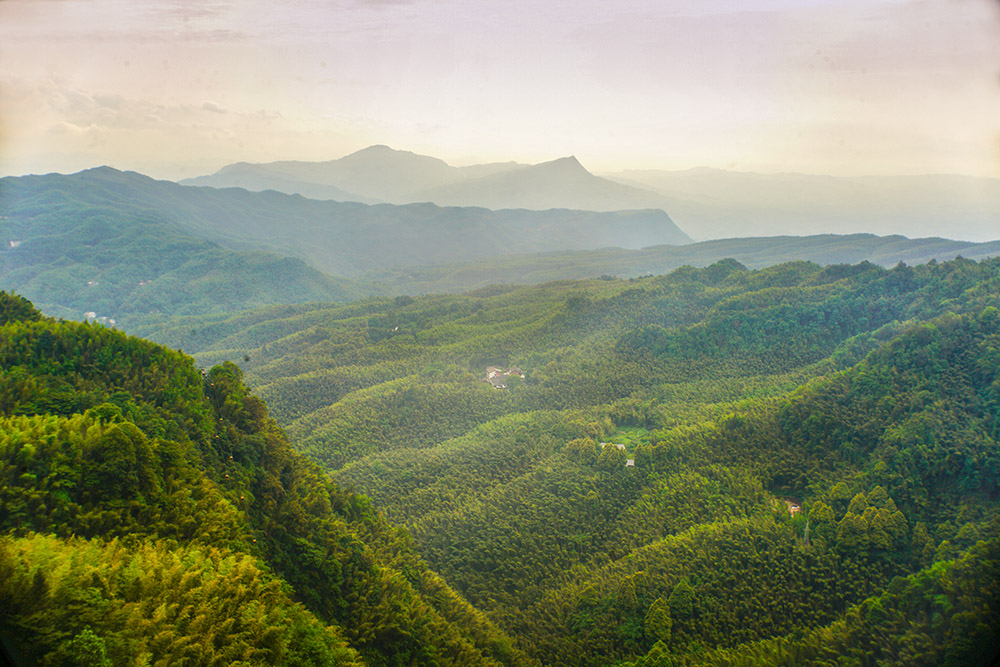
<point>179,88</point>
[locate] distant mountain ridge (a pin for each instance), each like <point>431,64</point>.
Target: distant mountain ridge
<point>709,203</point>
<point>754,253</point>
<point>100,242</point>
<point>120,244</point>
<point>112,242</point>
<point>256,179</point>
<point>557,184</point>
<point>377,174</point>
<point>380,173</point>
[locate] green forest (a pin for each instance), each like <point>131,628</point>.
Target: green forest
<point>791,465</point>
<point>124,247</point>
<point>153,514</point>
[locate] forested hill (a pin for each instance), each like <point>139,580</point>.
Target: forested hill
<point>863,399</point>
<point>152,513</point>
<point>120,245</point>
<point>754,253</point>
<point>79,244</point>
<point>340,238</point>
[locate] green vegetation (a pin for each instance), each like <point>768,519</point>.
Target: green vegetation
<point>154,513</point>
<point>869,398</point>
<point>755,253</point>
<point>81,246</point>
<point>103,226</point>
<point>125,247</point>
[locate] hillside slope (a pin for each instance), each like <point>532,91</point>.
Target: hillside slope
<point>864,396</point>
<point>153,512</point>
<point>343,239</point>
<point>84,243</point>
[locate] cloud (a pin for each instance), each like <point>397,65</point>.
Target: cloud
<point>91,136</point>
<point>119,21</point>
<point>58,125</point>
<point>214,107</point>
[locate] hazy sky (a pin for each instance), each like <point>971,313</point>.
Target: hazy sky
<point>180,88</point>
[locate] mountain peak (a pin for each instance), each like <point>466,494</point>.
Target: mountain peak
<point>103,170</point>
<point>237,166</point>
<point>106,173</point>
<point>566,165</point>
<point>381,155</point>
<point>376,149</point>
<point>568,161</point>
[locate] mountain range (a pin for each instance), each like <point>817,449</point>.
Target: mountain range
<point>707,203</point>
<point>111,242</point>
<point>120,244</point>
<point>382,174</point>
<point>371,175</point>
<point>755,253</point>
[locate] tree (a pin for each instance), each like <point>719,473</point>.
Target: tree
<point>582,450</point>
<point>657,622</point>
<point>87,650</point>
<point>611,457</point>
<point>682,599</point>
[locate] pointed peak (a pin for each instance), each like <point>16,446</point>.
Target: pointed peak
<point>567,164</point>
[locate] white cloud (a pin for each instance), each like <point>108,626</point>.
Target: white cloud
<point>214,107</point>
